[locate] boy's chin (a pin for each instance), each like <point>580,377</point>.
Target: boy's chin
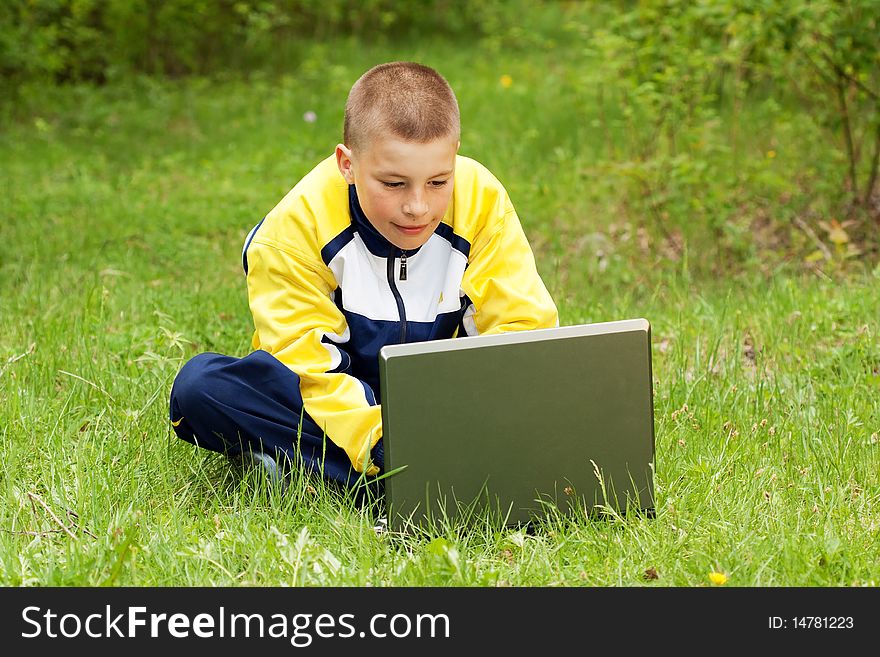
<point>409,245</point>
<point>410,242</point>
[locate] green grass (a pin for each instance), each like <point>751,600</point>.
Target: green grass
<point>123,215</point>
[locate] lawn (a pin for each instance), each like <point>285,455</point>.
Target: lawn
<point>124,211</point>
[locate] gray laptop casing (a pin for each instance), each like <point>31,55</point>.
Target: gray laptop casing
<point>519,423</point>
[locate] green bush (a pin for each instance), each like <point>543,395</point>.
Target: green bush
<point>97,40</point>
<point>689,87</point>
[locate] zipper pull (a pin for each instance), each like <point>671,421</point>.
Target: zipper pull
<point>403,266</point>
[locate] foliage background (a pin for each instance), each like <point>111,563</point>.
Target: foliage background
<point>736,130</point>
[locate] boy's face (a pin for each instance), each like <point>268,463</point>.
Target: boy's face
<point>403,187</point>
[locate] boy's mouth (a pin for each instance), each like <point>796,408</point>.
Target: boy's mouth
<point>410,230</point>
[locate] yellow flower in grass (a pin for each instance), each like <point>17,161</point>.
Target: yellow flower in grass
<point>718,579</point>
<point>506,81</point>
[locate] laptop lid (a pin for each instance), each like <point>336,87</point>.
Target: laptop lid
<point>519,424</point>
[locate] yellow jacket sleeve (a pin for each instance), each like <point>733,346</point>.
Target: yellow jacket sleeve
<point>502,280</point>
<point>290,300</point>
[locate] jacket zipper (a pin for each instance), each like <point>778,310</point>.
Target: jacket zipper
<point>397,298</point>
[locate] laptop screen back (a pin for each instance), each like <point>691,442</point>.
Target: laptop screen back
<point>518,424</point>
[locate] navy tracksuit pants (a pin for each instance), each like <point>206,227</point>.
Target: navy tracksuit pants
<point>230,405</point>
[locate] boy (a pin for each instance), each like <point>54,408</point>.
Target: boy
<point>396,238</point>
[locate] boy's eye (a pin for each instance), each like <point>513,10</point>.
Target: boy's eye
<point>392,185</point>
<point>438,183</point>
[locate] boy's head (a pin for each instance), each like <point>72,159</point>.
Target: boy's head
<point>409,101</point>
<point>402,132</point>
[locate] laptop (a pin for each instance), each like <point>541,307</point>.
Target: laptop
<point>517,426</point>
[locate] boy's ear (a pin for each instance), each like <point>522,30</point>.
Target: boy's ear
<point>343,161</point>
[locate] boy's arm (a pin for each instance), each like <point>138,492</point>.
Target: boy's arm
<point>297,321</point>
<point>503,283</point>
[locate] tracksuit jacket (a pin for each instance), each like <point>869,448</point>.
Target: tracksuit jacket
<point>327,291</point>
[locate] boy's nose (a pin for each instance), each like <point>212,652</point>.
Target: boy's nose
<point>415,206</point>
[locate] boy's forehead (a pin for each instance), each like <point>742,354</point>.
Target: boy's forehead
<point>394,156</point>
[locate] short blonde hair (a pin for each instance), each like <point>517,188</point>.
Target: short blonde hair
<point>408,100</point>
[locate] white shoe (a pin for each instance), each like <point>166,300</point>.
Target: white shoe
<point>264,462</point>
